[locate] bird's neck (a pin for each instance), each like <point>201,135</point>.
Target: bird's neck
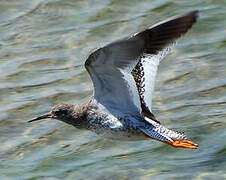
<point>78,117</point>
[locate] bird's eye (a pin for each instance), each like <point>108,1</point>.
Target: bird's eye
<point>63,112</point>
<point>60,112</point>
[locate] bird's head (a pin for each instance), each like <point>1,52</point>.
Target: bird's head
<point>62,112</point>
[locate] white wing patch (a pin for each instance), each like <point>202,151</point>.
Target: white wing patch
<point>144,74</point>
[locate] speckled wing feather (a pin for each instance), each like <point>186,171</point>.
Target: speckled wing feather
<point>158,41</point>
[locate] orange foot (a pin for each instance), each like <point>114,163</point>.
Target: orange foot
<point>183,144</point>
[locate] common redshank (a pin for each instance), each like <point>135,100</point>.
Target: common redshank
<point>123,75</point>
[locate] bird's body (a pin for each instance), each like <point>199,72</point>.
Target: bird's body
<point>119,126</point>
<point>123,74</point>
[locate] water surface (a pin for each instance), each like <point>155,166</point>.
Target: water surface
<point>43,46</point>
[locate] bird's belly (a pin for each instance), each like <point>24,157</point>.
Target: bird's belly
<point>120,134</point>
<point>119,127</point>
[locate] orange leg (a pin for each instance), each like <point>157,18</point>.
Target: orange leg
<point>182,144</point>
<point>179,143</point>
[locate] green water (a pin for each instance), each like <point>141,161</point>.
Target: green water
<point>43,46</point>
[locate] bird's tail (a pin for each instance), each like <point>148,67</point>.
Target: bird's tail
<point>165,135</point>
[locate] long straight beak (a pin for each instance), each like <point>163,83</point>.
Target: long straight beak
<point>44,116</point>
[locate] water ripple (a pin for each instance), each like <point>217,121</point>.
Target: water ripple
<point>43,46</point>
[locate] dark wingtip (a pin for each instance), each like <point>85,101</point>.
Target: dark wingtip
<point>194,14</point>
<point>162,34</point>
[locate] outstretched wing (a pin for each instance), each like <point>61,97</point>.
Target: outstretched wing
<point>110,67</point>
<point>159,40</point>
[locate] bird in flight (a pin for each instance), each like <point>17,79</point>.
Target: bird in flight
<point>123,75</point>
